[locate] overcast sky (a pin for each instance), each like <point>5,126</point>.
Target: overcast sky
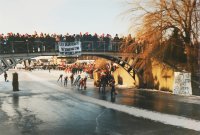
<point>63,16</point>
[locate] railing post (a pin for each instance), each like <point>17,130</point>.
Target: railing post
<point>92,46</point>
<point>115,47</point>
<point>104,45</point>
<point>118,47</point>
<point>110,45</point>
<point>13,51</point>
<point>27,46</point>
<point>43,47</point>
<point>39,49</point>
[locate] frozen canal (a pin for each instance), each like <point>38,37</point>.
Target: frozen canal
<point>44,107</point>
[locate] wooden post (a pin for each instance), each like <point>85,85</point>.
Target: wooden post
<point>15,82</point>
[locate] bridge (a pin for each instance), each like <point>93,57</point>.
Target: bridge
<point>18,51</point>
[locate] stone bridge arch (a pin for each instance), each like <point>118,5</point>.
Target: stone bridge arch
<point>7,63</point>
<point>9,60</point>
<point>121,60</point>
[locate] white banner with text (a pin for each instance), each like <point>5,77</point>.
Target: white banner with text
<point>182,83</point>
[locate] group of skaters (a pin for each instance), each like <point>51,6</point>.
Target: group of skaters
<point>81,72</point>
<point>106,79</point>
<point>79,81</point>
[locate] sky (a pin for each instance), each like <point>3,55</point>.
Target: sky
<point>63,16</point>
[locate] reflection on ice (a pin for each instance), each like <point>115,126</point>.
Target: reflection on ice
<point>8,108</point>
<point>15,100</point>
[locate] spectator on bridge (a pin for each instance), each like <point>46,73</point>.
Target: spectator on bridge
<point>116,38</point>
<point>106,40</point>
<point>95,40</point>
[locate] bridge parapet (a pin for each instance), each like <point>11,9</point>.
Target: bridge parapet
<point>91,48</point>
<point>19,47</point>
<point>14,52</point>
<point>68,48</point>
<point>65,48</point>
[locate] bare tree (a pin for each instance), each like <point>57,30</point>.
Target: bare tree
<point>160,17</point>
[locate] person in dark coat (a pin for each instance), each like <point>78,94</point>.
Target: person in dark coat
<point>77,80</point>
<point>113,92</point>
<point>5,76</point>
<point>102,84</point>
<point>60,77</point>
<point>72,78</point>
<point>65,80</point>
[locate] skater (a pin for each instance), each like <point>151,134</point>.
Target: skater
<point>72,78</point>
<point>84,82</point>
<point>103,82</point>
<point>5,76</point>
<point>65,81</point>
<point>49,69</point>
<point>60,77</point>
<point>77,80</point>
<point>113,92</point>
<point>81,84</point>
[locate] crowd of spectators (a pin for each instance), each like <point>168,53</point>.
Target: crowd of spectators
<point>89,41</point>
<point>18,42</point>
<point>10,37</point>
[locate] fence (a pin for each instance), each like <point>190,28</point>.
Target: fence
<point>50,46</point>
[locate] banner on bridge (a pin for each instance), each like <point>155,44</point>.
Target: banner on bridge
<point>69,48</point>
<point>182,83</point>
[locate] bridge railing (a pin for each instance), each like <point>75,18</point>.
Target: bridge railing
<point>27,47</point>
<point>75,48</point>
<point>100,46</point>
<point>52,46</point>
